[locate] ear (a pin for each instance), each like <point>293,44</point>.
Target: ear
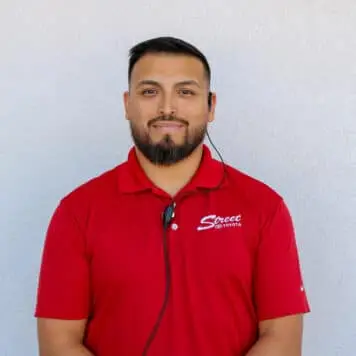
<point>126,98</point>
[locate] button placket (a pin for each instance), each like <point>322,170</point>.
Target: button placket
<point>174,225</point>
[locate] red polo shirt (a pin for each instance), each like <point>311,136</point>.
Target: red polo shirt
<point>233,255</point>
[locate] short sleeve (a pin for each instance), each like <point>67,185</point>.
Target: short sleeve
<point>278,286</point>
<point>63,287</point>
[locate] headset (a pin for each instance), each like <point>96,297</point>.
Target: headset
<point>210,95</point>
<point>166,217</point>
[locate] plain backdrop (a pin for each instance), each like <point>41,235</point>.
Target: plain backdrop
<point>285,75</point>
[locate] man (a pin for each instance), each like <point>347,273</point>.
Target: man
<point>171,253</point>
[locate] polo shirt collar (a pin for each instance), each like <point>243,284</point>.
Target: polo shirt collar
<point>132,178</point>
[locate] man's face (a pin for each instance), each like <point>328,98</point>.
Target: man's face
<point>167,106</point>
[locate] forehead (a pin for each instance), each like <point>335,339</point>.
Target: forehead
<point>164,66</point>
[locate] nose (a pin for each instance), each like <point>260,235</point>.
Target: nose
<point>167,106</point>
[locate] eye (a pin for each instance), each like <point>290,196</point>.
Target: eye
<point>186,92</point>
<point>149,92</point>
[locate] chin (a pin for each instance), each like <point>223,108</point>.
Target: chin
<point>168,141</point>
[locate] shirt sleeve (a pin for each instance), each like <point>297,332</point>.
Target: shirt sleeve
<point>63,287</point>
<point>279,289</point>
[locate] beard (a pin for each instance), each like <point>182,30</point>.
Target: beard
<point>166,152</point>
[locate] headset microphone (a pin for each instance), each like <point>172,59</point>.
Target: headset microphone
<point>168,215</point>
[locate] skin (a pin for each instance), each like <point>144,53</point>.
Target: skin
<point>163,84</point>
<point>279,337</point>
<point>61,337</point>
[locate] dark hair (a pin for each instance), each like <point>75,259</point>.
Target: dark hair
<point>166,45</point>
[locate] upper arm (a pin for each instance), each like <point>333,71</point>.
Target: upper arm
<point>278,284</point>
<point>286,330</point>
<point>58,336</point>
<point>64,288</point>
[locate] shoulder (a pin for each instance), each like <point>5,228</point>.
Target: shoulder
<point>250,185</point>
<point>253,192</point>
<point>96,191</point>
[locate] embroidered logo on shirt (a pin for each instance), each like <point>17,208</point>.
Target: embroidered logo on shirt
<point>219,222</point>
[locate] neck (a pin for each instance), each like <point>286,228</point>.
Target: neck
<point>171,179</point>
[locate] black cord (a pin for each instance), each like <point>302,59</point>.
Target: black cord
<point>166,294</point>
<point>168,266</point>
<point>222,161</point>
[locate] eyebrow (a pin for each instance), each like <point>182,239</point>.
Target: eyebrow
<point>153,82</point>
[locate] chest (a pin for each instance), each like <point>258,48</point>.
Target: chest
<point>208,240</point>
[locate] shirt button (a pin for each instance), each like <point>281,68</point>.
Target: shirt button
<point>174,227</point>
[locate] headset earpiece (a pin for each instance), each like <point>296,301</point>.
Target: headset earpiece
<point>210,99</point>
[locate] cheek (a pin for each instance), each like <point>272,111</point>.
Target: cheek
<point>141,112</point>
<point>196,110</point>
<point>197,117</point>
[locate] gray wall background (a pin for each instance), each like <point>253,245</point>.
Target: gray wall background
<point>285,74</point>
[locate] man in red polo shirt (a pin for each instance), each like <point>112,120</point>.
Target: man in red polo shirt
<point>172,253</point>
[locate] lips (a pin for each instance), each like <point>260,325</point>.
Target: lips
<point>168,124</point>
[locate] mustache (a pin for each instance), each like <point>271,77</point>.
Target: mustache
<point>167,118</point>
